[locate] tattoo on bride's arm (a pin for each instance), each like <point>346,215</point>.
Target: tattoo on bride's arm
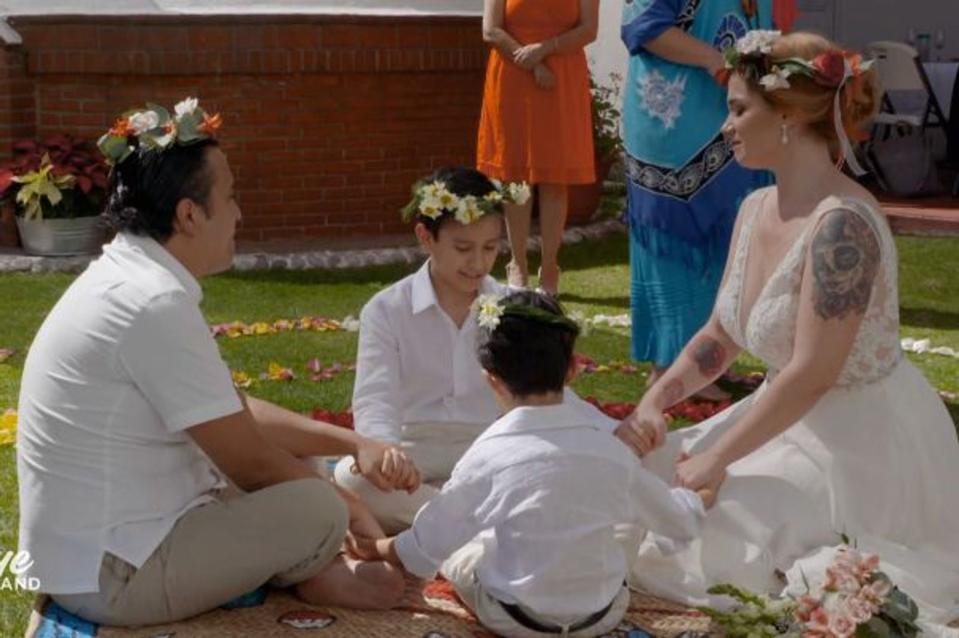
<point>673,392</point>
<point>845,253</point>
<point>710,356</point>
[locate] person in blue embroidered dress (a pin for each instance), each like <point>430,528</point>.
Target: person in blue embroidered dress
<point>683,185</point>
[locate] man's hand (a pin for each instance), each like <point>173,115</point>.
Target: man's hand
<point>386,466</point>
<point>362,548</point>
<point>642,431</point>
<point>373,549</point>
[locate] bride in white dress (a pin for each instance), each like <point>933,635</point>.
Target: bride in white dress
<point>845,436</point>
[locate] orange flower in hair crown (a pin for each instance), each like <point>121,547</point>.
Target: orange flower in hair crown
<point>154,128</point>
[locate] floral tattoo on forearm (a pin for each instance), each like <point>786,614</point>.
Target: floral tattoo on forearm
<point>845,254</point>
<point>710,356</point>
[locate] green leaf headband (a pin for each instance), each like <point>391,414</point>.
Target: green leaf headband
<point>490,309</point>
<point>155,129</point>
<point>434,199</point>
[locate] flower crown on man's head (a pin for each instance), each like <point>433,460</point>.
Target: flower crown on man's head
<point>155,129</point>
<point>432,199</point>
<point>490,310</point>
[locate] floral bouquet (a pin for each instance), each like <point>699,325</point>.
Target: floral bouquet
<point>854,599</point>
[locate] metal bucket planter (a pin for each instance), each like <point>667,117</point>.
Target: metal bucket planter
<point>77,236</point>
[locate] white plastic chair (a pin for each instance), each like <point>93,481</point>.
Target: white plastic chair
<point>899,69</point>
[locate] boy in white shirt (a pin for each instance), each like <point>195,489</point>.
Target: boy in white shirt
<point>524,529</point>
<point>418,382</point>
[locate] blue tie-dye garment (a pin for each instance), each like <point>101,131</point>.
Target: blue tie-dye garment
<point>684,185</point>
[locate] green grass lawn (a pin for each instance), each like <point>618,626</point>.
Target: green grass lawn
<point>595,280</point>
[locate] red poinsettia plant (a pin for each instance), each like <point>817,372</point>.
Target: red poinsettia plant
<point>60,177</point>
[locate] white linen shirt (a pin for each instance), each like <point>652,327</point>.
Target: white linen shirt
<point>544,488</point>
<point>122,365</point>
<point>414,365</point>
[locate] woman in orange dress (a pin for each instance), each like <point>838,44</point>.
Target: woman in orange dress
<point>536,123</point>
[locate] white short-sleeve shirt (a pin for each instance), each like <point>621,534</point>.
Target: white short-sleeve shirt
<point>122,365</point>
<point>544,487</point>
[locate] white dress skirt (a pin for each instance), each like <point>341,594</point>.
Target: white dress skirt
<point>876,459</point>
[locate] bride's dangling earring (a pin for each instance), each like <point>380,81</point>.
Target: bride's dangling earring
<point>784,134</point>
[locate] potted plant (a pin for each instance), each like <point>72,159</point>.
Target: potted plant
<point>584,198</point>
<point>57,189</point>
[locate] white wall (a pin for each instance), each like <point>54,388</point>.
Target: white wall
<point>160,7</point>
<point>608,55</point>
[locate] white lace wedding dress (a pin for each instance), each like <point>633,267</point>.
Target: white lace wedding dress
<point>877,458</point>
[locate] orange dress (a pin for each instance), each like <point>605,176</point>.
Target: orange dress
<point>541,136</point>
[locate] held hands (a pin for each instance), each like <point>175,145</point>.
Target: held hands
<point>363,547</point>
<point>703,471</point>
<point>372,549</point>
<point>544,77</point>
<point>642,431</point>
<point>529,56</point>
<point>386,466</point>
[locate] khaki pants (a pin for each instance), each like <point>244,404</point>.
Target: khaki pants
<point>460,570</point>
<point>435,448</point>
<point>283,534</point>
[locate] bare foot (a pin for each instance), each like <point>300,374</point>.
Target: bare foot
<point>712,392</point>
<point>549,279</point>
<point>356,584</point>
<point>516,276</point>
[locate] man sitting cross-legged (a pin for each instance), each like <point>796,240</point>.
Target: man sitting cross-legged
<point>130,425</point>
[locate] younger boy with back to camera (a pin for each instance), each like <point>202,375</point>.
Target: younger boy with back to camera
<point>524,528</point>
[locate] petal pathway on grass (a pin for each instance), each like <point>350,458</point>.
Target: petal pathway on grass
<point>237,329</point>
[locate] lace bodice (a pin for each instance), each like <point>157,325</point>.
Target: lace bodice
<point>769,330</point>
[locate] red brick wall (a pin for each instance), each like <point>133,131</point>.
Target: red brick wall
<point>16,97</point>
<point>327,121</point>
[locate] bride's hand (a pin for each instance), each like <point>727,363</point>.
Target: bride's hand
<point>699,471</point>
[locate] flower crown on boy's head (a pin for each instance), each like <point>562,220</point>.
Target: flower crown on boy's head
<point>751,56</point>
<point>155,129</point>
<point>433,199</point>
<point>490,309</point>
